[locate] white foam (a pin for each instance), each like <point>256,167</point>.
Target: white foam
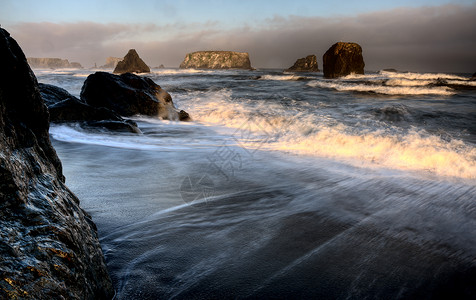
<point>290,77</point>
<point>277,128</point>
<point>407,82</point>
<point>386,90</point>
<point>462,82</point>
<point>180,71</point>
<point>422,76</point>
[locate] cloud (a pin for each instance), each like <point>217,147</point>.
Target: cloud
<point>438,38</point>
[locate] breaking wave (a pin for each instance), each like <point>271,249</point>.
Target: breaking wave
<point>273,127</point>
<point>413,89</point>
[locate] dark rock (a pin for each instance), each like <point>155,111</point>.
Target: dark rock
<point>49,246</point>
<point>64,107</point>
<point>52,94</point>
<point>161,67</point>
<point>390,70</point>
<point>473,77</point>
<point>343,59</point>
<point>305,64</point>
<point>128,95</point>
<point>216,60</point>
<point>131,63</point>
<point>184,116</point>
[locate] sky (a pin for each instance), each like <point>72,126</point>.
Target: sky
<point>408,35</point>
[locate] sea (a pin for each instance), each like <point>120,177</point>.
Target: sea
<point>284,186</point>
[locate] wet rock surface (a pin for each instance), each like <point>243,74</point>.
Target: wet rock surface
<point>64,107</point>
<point>128,95</point>
<point>216,60</point>
<point>48,245</point>
<point>305,64</point>
<point>343,59</point>
<point>131,63</point>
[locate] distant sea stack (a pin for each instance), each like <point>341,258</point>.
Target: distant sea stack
<point>343,59</point>
<point>49,246</point>
<point>52,63</point>
<point>216,60</point>
<point>131,63</point>
<point>111,62</point>
<point>305,64</point>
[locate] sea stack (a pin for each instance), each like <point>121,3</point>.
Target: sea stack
<point>216,60</point>
<point>343,59</point>
<point>52,63</point>
<point>131,63</point>
<point>49,246</point>
<point>305,64</point>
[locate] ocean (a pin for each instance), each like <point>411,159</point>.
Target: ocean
<point>285,186</point>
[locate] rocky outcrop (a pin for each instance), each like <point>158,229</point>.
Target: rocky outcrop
<point>305,64</point>
<point>128,95</point>
<point>49,247</point>
<point>52,63</point>
<point>64,107</point>
<point>111,62</point>
<point>216,60</point>
<point>343,59</point>
<point>131,63</point>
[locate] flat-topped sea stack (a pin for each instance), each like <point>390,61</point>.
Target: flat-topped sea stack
<point>305,64</point>
<point>52,63</point>
<point>343,59</point>
<point>131,63</point>
<point>216,60</point>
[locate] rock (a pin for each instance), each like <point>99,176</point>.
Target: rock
<point>131,63</point>
<point>161,66</point>
<point>52,63</point>
<point>473,77</point>
<point>184,116</point>
<point>128,95</point>
<point>49,246</point>
<point>216,60</point>
<point>343,59</point>
<point>64,107</point>
<point>391,70</point>
<point>305,64</point>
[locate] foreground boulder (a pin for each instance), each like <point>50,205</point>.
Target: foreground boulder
<point>128,95</point>
<point>49,246</point>
<point>305,64</point>
<point>343,59</point>
<point>64,107</point>
<point>52,63</point>
<point>216,60</point>
<point>131,63</point>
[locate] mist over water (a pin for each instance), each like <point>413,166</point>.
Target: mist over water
<point>285,185</point>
